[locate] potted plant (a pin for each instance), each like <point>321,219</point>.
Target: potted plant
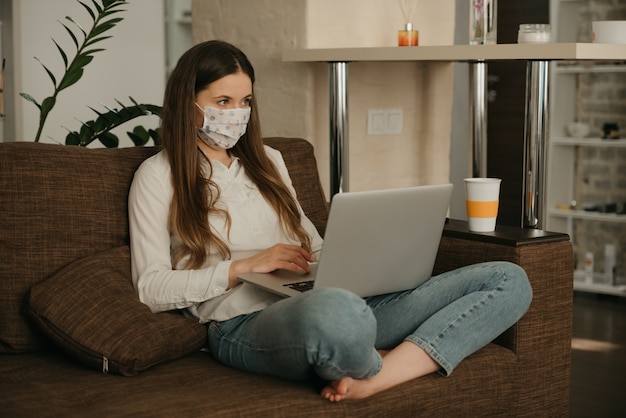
<point>104,16</point>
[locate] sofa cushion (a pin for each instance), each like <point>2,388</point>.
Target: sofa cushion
<point>91,310</point>
<point>47,385</point>
<point>57,204</point>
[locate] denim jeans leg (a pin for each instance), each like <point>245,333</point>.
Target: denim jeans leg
<point>456,313</point>
<point>327,332</point>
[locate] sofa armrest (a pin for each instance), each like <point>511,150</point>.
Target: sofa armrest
<point>542,338</point>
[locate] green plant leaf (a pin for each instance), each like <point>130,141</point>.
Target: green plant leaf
<point>109,108</point>
<point>105,122</point>
<point>149,110</point>
<point>140,130</point>
<point>101,124</point>
<point>80,61</point>
<point>86,131</point>
<point>31,99</point>
<point>71,77</point>
<point>54,80</point>
<point>63,54</point>
<point>155,134</point>
<point>91,13</point>
<point>139,138</point>
<point>47,104</point>
<point>93,41</point>
<point>109,140</point>
<point>71,33</point>
<point>101,15</point>
<point>72,139</point>
<point>122,104</point>
<point>111,11</point>
<point>109,4</point>
<point>97,6</point>
<point>105,26</point>
<point>93,51</point>
<point>95,111</point>
<point>71,19</point>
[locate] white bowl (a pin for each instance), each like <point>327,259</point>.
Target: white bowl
<point>609,31</point>
<point>577,129</point>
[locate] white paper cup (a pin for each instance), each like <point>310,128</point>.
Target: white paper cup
<point>482,196</point>
<point>608,31</point>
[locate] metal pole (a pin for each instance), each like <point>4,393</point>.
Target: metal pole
<point>338,98</point>
<point>535,145</point>
<point>478,119</point>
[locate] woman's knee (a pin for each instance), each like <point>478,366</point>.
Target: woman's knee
<point>517,282</point>
<point>337,314</point>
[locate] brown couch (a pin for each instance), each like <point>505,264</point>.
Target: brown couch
<point>68,311</point>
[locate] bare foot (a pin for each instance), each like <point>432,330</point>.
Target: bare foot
<point>345,388</point>
<point>405,362</point>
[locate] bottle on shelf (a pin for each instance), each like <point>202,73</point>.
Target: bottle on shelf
<point>589,267</point>
<point>609,264</point>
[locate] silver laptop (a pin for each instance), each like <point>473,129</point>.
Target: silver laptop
<point>375,242</point>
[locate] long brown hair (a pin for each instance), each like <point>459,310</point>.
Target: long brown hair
<point>195,194</point>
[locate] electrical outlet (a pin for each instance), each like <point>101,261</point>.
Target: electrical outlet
<point>384,121</point>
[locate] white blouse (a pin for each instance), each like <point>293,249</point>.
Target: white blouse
<point>201,292</point>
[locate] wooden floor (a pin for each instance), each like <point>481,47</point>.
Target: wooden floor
<point>598,383</point>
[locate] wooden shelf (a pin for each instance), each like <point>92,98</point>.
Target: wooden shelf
<point>563,154</point>
<point>583,286</point>
<point>589,142</point>
<point>503,235</point>
<point>496,52</point>
<point>591,216</point>
<point>591,67</point>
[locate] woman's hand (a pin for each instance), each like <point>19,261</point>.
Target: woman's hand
<point>280,256</point>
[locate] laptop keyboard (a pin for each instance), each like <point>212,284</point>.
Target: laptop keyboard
<point>301,286</point>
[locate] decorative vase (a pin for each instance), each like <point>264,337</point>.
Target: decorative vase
<point>483,28</point>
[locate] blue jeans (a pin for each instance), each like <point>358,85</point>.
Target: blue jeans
<point>333,333</point>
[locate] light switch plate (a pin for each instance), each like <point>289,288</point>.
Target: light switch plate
<point>384,121</point>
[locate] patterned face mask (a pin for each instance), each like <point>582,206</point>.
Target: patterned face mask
<point>222,128</point>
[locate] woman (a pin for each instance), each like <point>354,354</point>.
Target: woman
<point>215,202</point>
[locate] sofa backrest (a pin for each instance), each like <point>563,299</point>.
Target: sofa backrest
<point>300,159</point>
<point>59,204</point>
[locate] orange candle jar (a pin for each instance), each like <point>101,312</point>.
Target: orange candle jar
<point>408,36</point>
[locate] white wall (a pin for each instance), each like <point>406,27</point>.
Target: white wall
<point>263,29</point>
<point>178,30</point>
<point>420,154</point>
<point>433,146</point>
<point>132,65</point>
<point>355,23</point>
<point>294,96</point>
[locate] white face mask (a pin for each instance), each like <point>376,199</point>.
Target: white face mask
<point>222,128</point>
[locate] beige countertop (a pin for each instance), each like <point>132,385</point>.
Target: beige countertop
<point>496,52</point>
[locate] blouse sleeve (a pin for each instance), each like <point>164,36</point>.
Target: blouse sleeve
<point>158,285</point>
